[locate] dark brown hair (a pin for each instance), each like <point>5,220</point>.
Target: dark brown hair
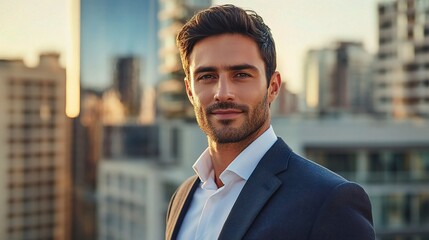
<point>223,19</point>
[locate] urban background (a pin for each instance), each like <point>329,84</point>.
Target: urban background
<point>96,132</point>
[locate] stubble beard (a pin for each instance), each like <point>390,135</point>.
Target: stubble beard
<point>253,121</point>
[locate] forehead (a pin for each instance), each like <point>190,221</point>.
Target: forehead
<point>225,50</point>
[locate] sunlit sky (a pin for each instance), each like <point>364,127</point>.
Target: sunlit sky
<point>29,27</point>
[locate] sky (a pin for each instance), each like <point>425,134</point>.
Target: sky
<point>29,27</point>
<point>300,25</point>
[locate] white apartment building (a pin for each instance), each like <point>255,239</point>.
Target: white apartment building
<point>402,82</point>
<point>133,193</point>
<point>34,150</point>
<point>132,199</point>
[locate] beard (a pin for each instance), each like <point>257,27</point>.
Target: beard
<point>254,119</point>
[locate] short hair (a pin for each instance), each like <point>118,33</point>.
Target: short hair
<point>225,19</point>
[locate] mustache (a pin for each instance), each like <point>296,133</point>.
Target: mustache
<point>226,105</point>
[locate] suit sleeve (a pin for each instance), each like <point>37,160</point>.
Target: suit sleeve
<point>345,214</point>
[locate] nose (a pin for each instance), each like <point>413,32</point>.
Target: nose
<point>224,91</point>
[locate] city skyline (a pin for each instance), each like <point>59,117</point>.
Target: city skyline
<point>297,26</point>
<point>110,172</point>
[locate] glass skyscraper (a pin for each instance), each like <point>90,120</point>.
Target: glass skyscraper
<point>119,61</point>
<point>113,29</point>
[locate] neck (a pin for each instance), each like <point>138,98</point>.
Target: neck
<point>223,154</point>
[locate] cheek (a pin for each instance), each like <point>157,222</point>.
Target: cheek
<point>253,94</point>
<point>203,97</point>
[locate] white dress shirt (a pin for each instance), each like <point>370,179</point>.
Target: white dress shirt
<point>211,205</point>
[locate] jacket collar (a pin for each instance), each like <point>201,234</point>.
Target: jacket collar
<point>262,183</point>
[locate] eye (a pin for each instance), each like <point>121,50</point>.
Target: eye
<point>242,75</point>
<point>206,77</point>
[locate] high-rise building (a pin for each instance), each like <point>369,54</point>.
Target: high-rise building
<point>402,82</point>
<point>127,83</point>
<point>119,61</point>
<point>172,100</point>
<point>86,152</point>
<point>34,154</point>
<point>338,79</point>
<point>112,29</point>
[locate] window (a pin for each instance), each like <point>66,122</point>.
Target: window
<point>395,211</point>
<point>175,142</point>
<point>423,202</point>
<point>341,162</point>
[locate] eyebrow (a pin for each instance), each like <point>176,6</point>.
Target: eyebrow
<point>230,68</point>
<point>242,67</point>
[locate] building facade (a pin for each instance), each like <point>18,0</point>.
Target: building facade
<point>123,200</point>
<point>118,63</point>
<point>338,79</point>
<point>34,156</point>
<point>86,153</point>
<point>402,83</point>
<point>132,200</point>
<point>172,101</point>
<point>286,103</point>
<point>135,187</point>
<point>127,84</point>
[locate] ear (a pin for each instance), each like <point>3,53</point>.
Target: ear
<point>274,87</point>
<point>188,90</point>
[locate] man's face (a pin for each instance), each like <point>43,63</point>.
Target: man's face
<point>228,88</point>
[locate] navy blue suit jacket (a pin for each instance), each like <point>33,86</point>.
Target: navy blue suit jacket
<point>287,197</point>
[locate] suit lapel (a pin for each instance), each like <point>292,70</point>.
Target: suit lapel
<point>260,186</point>
<point>179,206</point>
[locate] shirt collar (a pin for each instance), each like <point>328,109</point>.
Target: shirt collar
<point>203,166</point>
<point>243,165</point>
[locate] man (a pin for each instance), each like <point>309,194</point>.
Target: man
<point>248,183</point>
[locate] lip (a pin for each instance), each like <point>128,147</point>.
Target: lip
<point>225,114</point>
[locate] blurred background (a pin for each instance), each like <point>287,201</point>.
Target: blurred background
<point>96,130</point>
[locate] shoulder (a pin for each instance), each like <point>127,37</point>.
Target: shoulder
<point>179,201</point>
<point>188,183</point>
<point>310,169</point>
<point>308,178</point>
<point>345,214</point>
<point>183,190</point>
<point>341,208</point>
<point>295,166</point>
<point>181,193</point>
